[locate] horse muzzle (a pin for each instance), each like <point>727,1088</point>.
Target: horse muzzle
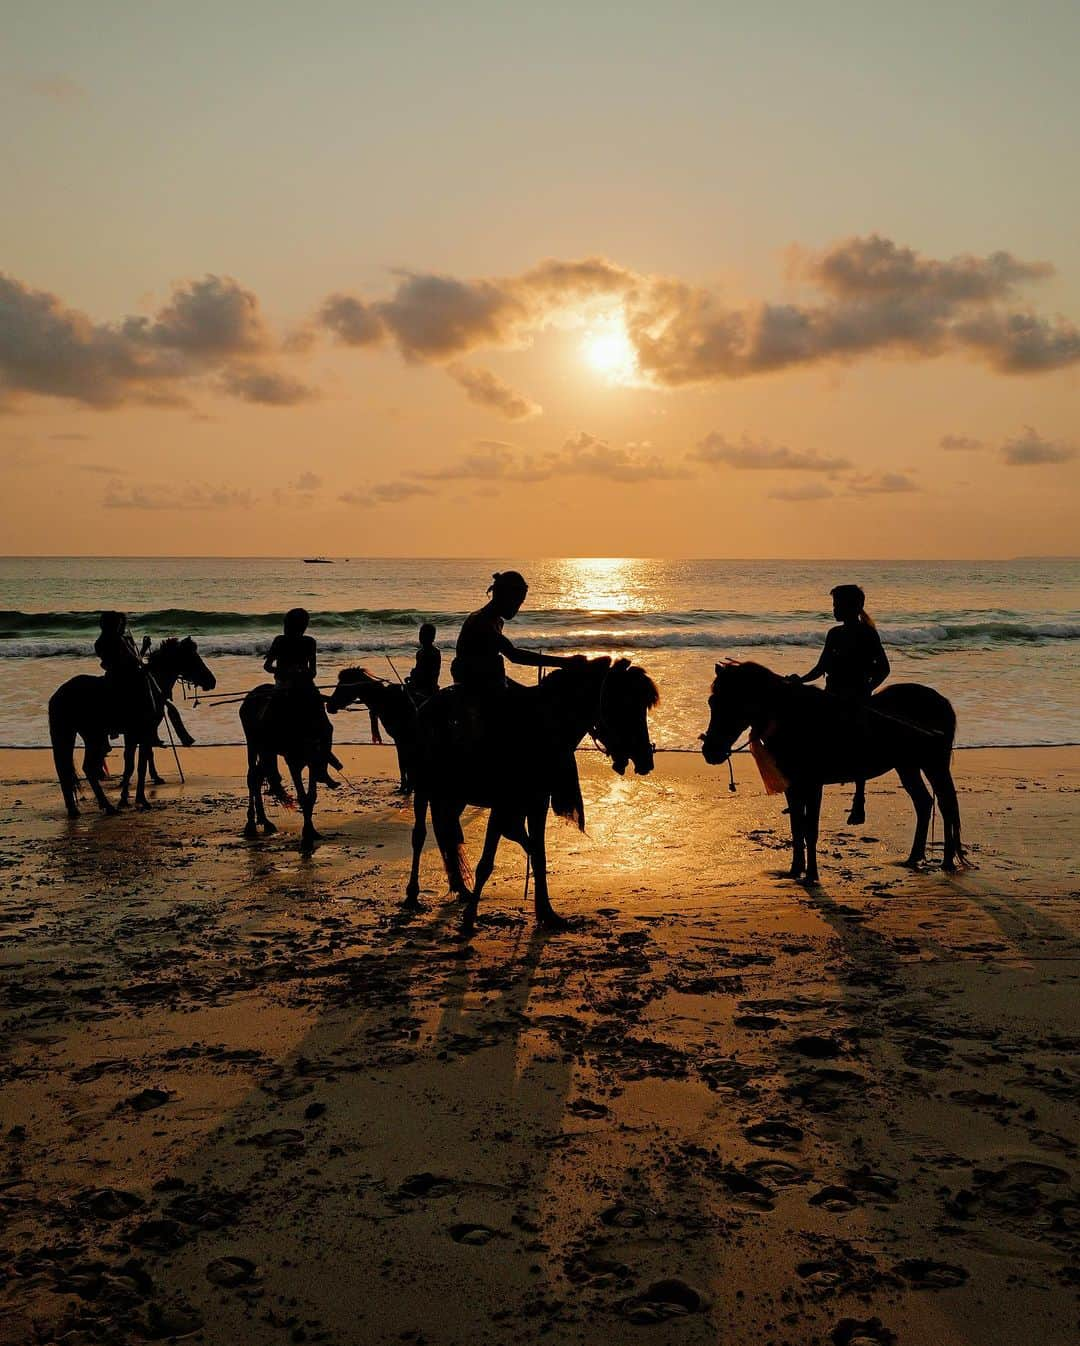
<point>713,752</point>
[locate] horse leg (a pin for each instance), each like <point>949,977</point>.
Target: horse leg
<point>857,815</point>
<point>811,819</point>
<point>942,782</point>
<point>141,801</point>
<point>254,789</point>
<point>486,863</point>
<point>402,771</point>
<point>545,913</point>
<point>62,738</point>
<point>260,770</point>
<point>912,781</point>
<point>151,767</point>
<point>419,836</point>
<point>128,772</point>
<point>798,842</point>
<point>93,765</point>
<point>306,799</point>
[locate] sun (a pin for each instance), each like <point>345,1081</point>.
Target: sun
<point>608,349</point>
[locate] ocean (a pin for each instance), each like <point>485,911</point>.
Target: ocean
<point>998,638</point>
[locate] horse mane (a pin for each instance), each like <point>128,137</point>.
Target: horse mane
<point>755,670</point>
<point>640,679</point>
<point>632,672</point>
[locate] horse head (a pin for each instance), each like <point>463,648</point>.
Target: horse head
<point>353,684</point>
<point>737,698</point>
<point>627,694</point>
<point>181,659</point>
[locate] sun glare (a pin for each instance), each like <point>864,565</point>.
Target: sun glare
<point>609,351</point>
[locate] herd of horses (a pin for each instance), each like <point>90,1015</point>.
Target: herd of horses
<point>807,738</point>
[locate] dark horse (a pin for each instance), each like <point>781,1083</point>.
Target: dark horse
<point>815,739</point>
<point>530,768</point>
<point>81,707</point>
<point>303,743</point>
<point>392,703</point>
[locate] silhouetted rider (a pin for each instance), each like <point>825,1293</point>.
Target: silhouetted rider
<point>293,660</point>
<point>126,684</point>
<point>482,647</point>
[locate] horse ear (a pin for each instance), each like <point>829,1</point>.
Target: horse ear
<point>719,668</point>
<point>620,665</point>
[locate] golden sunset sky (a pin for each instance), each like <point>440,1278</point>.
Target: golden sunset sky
<point>777,280</point>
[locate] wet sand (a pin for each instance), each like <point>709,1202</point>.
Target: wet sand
<point>243,1101</point>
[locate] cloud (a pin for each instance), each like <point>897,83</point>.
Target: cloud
<point>385,493</point>
<point>488,390</point>
<point>1031,450</point>
<point>882,483</point>
<point>808,490</point>
<point>761,456</point>
<point>266,386</point>
<point>353,322</point>
<point>49,350</point>
<point>189,497</point>
<point>876,267</point>
<point>583,455</point>
<point>959,443</point>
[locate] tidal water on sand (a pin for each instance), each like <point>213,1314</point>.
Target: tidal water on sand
<point>998,638</point>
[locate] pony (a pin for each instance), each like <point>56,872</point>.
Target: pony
<point>393,704</point>
<point>525,768</point>
<point>805,739</point>
<point>81,708</point>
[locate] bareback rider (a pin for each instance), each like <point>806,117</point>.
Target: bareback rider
<point>127,686</point>
<point>855,664</point>
<point>293,659</point>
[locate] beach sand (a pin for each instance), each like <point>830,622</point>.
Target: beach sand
<point>244,1101</point>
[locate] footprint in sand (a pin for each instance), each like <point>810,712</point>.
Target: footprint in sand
<point>421,1185</point>
<point>862,1332</point>
<point>473,1235</point>
<point>757,1023</point>
<point>774,1134</point>
<point>621,1216</point>
<point>747,1190</point>
<point>777,1171</point>
<point>109,1203</point>
<point>146,1099</point>
<point>230,1271</point>
<point>923,1273</point>
<point>668,1298</point>
<point>159,1236</point>
<point>817,1047</point>
<point>827,1090</point>
<point>835,1198</point>
<point>595,1269</point>
<point>587,1108</point>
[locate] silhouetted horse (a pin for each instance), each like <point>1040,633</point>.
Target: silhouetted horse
<point>816,739</point>
<point>392,703</point>
<point>528,767</point>
<point>81,707</point>
<point>301,740</point>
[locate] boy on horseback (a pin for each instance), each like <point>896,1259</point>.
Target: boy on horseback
<point>423,681</point>
<point>127,686</point>
<point>292,659</point>
<point>854,664</point>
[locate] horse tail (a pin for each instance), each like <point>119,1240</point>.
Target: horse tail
<point>62,739</point>
<point>566,800</point>
<point>451,842</point>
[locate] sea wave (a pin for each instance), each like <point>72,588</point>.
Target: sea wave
<point>589,635</point>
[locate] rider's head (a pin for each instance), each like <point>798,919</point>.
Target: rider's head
<point>296,621</point>
<point>849,603</point>
<point>508,590</point>
<point>113,623</point>
<point>427,634</point>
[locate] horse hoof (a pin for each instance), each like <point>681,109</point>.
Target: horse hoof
<point>251,832</point>
<point>157,780</point>
<point>143,805</point>
<point>794,873</point>
<point>269,828</point>
<point>912,862</point>
<point>73,813</point>
<point>948,867</point>
<point>552,921</point>
<point>412,903</point>
<point>110,811</point>
<point>856,818</point>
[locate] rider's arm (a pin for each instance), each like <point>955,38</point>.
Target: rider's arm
<point>270,662</point>
<point>531,658</point>
<point>312,656</point>
<point>820,668</point>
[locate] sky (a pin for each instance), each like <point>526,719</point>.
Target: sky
<point>595,279</point>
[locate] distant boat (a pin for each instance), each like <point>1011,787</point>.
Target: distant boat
<point>317,561</point>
